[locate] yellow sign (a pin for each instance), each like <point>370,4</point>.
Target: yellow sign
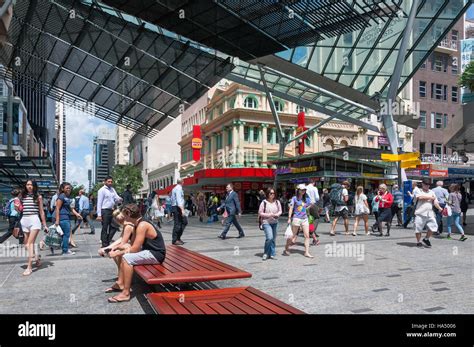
<point>410,164</point>
<point>196,143</point>
<point>400,157</point>
<point>303,169</point>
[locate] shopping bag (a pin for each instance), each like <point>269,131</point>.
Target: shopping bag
<point>288,232</point>
<point>447,211</point>
<point>54,237</point>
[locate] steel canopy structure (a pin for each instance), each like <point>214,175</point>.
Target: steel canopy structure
<point>336,57</point>
<point>118,70</point>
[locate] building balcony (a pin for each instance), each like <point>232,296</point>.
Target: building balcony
<point>447,46</point>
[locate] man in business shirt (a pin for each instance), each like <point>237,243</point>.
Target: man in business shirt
<point>84,210</point>
<point>442,196</point>
<point>177,206</point>
<point>107,198</point>
<point>231,204</point>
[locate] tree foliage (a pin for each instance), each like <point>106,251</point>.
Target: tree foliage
<point>467,78</point>
<point>127,174</point>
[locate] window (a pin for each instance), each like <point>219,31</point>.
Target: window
<point>440,63</point>
<point>229,137</point>
<point>438,91</point>
<point>401,142</point>
<point>288,134</point>
<point>438,121</point>
<point>437,148</point>
<point>218,142</point>
<point>307,141</point>
<point>422,89</point>
<point>279,105</point>
<point>422,119</point>
<point>370,138</point>
<point>232,103</point>
<point>246,133</point>
<point>445,121</point>
<point>422,147</point>
<point>454,94</point>
<point>255,134</point>
<point>250,102</point>
<point>454,35</point>
<point>301,109</point>
<point>454,66</point>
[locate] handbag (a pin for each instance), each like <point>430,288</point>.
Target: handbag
<point>260,219</point>
<point>447,211</point>
<point>17,232</point>
<point>288,232</point>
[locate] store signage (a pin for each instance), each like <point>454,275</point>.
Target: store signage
<point>196,143</point>
<point>383,140</point>
<point>369,174</point>
<point>295,170</point>
<point>461,171</point>
<point>299,130</point>
<point>438,158</point>
<point>438,173</point>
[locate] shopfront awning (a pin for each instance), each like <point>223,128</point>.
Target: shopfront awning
<point>165,191</point>
<point>15,173</point>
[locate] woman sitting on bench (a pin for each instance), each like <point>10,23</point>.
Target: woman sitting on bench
<point>121,245</point>
<point>148,247</point>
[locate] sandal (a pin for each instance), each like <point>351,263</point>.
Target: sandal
<point>114,300</point>
<point>112,289</point>
<point>38,261</point>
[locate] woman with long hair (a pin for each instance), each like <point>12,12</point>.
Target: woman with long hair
<point>63,211</point>
<point>123,243</point>
<point>454,201</point>
<point>298,217</point>
<point>32,220</point>
<point>362,210</point>
<point>269,211</point>
<point>148,247</point>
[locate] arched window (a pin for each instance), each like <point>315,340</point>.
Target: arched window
<point>251,102</point>
<point>279,105</point>
<point>344,143</point>
<point>329,145</point>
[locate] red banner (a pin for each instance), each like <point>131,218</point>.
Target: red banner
<point>196,142</point>
<point>299,130</point>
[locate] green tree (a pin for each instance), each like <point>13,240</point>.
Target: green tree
<point>467,78</point>
<point>124,175</point>
<point>96,188</point>
<point>75,190</point>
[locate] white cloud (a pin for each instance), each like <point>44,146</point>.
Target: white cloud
<point>76,171</point>
<point>81,127</point>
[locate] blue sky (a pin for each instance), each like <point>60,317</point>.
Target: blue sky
<point>470,12</point>
<point>80,130</point>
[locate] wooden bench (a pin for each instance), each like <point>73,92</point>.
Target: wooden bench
<point>184,266</point>
<point>244,300</point>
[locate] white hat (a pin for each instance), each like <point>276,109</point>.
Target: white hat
<point>301,186</point>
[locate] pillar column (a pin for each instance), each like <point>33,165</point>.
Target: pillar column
<point>224,146</point>
<point>235,143</point>
<point>264,133</point>
<point>241,151</point>
<point>213,146</point>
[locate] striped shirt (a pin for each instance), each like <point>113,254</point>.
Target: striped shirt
<point>30,207</point>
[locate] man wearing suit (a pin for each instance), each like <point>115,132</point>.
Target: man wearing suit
<point>231,204</point>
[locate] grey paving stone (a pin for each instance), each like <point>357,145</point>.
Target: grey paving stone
<point>434,309</point>
<point>437,282</point>
<point>440,289</point>
<point>380,290</point>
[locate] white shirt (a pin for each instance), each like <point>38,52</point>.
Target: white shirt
<point>424,207</point>
<point>106,199</point>
<point>312,192</point>
<point>344,194</point>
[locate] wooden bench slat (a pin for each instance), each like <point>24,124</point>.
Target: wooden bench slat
<point>188,263</point>
<point>253,304</point>
<point>232,308</point>
<point>268,305</point>
<point>208,260</point>
<point>219,308</point>
<point>275,301</point>
<point>242,300</point>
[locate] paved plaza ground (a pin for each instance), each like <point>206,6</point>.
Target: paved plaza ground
<point>377,275</point>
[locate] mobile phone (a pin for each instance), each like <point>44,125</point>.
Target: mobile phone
<point>107,250</point>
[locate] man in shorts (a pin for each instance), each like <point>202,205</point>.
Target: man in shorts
<point>342,210</point>
<point>425,216</point>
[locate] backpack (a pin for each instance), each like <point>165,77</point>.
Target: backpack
<point>7,209</point>
<point>335,195</point>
